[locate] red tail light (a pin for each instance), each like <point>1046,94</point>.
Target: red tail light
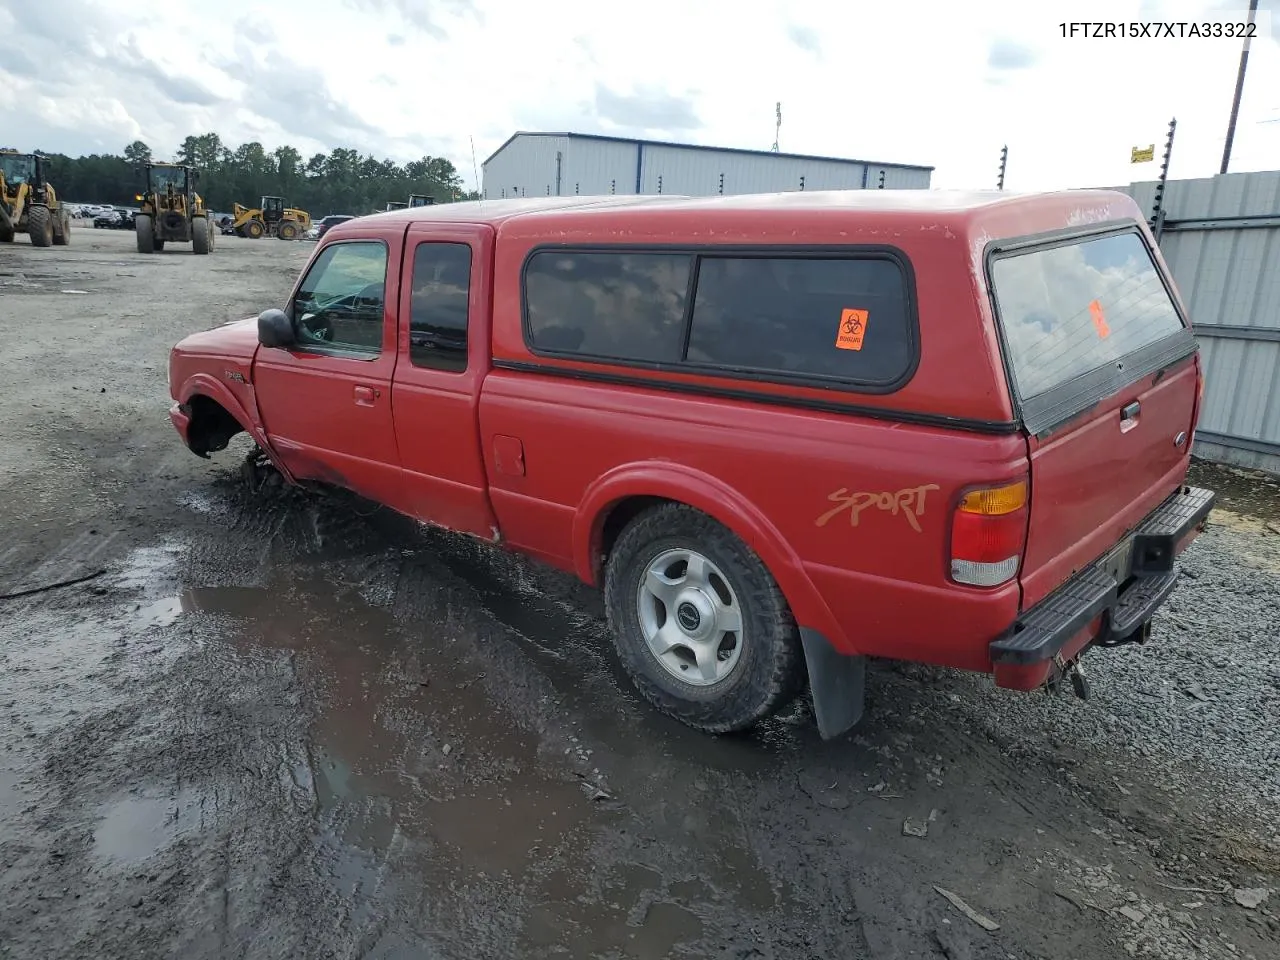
<point>988,535</point>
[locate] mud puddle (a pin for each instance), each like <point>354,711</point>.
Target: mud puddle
<point>136,827</point>
<point>410,767</point>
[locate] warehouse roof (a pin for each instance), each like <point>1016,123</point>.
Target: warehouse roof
<point>698,146</point>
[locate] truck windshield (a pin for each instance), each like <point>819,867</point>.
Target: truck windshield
<point>1073,308</point>
<point>17,168</point>
<point>164,177</point>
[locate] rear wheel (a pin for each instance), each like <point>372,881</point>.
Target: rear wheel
<point>288,230</point>
<point>144,233</point>
<point>201,236</point>
<point>699,623</point>
<point>61,228</point>
<point>40,226</point>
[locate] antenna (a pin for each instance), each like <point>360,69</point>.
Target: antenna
<point>777,130</point>
<point>475,169</point>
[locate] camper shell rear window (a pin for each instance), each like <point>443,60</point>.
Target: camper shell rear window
<point>1078,306</point>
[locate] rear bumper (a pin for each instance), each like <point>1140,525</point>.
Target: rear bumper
<point>1109,601</point>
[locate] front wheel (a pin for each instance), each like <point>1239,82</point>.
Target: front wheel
<point>201,235</point>
<point>144,234</point>
<point>40,226</point>
<point>699,623</point>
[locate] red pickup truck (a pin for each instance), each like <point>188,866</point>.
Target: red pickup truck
<point>784,432</point>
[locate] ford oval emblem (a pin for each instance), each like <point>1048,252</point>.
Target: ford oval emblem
<point>1180,439</point>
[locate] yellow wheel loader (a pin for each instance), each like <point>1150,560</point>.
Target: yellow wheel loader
<point>272,219</point>
<point>28,202</point>
<point>172,211</point>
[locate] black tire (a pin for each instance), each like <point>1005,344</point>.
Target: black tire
<point>288,231</point>
<point>60,229</point>
<point>255,229</point>
<point>6,235</point>
<point>769,671</point>
<point>145,233</point>
<point>159,245</point>
<point>40,226</point>
<point>201,237</point>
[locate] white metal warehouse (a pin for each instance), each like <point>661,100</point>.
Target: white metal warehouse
<point>564,164</point>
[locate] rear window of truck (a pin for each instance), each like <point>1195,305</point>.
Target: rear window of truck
<point>845,318</point>
<point>1076,307</point>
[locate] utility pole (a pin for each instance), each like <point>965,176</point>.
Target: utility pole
<point>777,130</point>
<point>1004,157</point>
<point>1235,101</point>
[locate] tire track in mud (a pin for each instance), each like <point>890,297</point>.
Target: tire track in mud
<point>330,820</point>
<point>452,574</point>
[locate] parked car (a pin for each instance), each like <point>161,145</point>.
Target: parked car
<point>783,433</point>
<point>329,222</point>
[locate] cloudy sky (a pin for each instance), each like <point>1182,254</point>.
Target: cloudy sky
<point>931,82</point>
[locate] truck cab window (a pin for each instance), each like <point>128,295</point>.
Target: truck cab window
<point>339,307</point>
<point>441,288</point>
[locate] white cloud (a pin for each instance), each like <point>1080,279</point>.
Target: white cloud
<point>934,83</point>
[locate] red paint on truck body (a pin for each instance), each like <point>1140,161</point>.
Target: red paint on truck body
<point>540,450</point>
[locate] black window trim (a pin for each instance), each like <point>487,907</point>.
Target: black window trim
<point>696,252</point>
<point>412,258</point>
<point>1060,406</point>
<point>335,351</point>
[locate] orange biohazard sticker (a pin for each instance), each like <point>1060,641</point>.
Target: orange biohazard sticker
<point>853,327</point>
<point>1099,320</point>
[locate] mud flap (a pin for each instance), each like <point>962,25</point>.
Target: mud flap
<point>837,683</point>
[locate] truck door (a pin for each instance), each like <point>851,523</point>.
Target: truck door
<point>1105,374</point>
<point>326,400</point>
<point>444,357</point>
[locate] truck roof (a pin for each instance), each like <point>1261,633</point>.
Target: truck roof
<point>901,208</point>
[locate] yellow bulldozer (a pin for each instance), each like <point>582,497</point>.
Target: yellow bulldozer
<point>171,211</point>
<point>271,219</point>
<point>28,202</point>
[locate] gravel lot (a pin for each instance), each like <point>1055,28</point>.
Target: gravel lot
<point>283,725</point>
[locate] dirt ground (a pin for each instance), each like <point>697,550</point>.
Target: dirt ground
<point>284,725</point>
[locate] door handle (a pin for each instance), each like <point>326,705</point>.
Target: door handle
<point>365,396</point>
<point>1129,416</point>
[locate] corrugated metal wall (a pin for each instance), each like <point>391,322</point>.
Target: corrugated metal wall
<point>1221,238</point>
<point>525,167</point>
<point>540,165</point>
<point>599,167</point>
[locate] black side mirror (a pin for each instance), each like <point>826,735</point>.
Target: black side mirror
<point>275,329</point>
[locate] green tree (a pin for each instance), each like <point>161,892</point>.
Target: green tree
<point>344,181</point>
<point>137,152</point>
